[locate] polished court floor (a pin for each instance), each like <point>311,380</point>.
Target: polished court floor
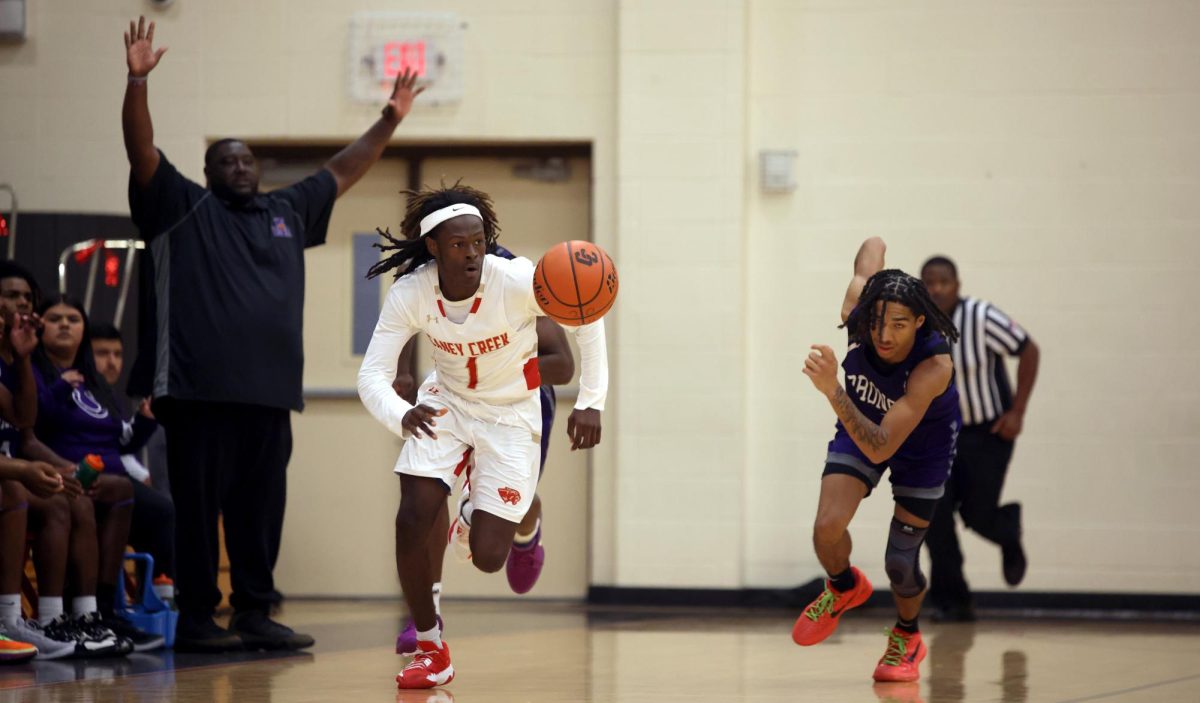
<point>545,651</point>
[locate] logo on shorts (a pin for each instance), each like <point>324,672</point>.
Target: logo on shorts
<point>280,229</point>
<point>510,495</point>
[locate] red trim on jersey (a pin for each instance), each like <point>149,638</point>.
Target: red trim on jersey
<point>475,306</point>
<point>463,464</point>
<point>440,308</point>
<point>533,374</point>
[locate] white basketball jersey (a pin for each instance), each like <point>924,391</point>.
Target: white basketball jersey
<point>491,356</point>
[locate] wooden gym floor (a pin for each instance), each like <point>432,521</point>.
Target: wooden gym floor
<point>549,651</point>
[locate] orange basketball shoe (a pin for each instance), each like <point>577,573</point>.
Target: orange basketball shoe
<point>12,652</point>
<point>430,667</point>
<point>820,618</point>
<point>902,658</point>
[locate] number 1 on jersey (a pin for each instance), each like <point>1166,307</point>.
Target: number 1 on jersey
<point>474,372</point>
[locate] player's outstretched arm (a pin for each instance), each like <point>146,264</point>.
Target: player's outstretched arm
<point>867,263</point>
<point>141,57</point>
<point>351,163</point>
<point>583,426</point>
<point>556,365</point>
<point>880,441</point>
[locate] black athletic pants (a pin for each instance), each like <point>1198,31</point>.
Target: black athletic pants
<point>228,459</point>
<point>974,491</point>
<point>153,527</point>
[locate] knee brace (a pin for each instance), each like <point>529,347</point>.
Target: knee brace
<point>902,560</point>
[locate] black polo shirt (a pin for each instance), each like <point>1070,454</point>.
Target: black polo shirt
<point>222,289</point>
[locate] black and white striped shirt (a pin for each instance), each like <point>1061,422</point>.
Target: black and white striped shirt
<point>985,333</point>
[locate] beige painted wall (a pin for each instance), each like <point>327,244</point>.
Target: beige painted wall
<point>1050,147</point>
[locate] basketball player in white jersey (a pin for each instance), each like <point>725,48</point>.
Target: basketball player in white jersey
<point>479,407</point>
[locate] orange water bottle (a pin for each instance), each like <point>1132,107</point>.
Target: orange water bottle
<point>88,470</point>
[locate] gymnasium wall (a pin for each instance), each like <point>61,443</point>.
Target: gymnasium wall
<point>1048,146</point>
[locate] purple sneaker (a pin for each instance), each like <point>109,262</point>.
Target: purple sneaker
<point>524,564</point>
<point>406,642</point>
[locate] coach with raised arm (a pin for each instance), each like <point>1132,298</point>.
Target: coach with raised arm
<point>222,296</point>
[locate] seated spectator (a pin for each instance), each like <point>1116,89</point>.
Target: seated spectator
<point>37,494</point>
<point>78,416</point>
<point>153,527</point>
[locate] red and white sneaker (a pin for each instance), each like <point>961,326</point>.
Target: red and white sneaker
<point>902,658</point>
<point>821,617</point>
<point>430,667</point>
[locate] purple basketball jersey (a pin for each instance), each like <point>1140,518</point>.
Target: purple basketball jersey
<point>924,459</point>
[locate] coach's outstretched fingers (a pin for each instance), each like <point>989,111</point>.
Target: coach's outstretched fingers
<point>140,55</point>
<point>403,94</point>
<point>583,427</point>
<point>420,419</point>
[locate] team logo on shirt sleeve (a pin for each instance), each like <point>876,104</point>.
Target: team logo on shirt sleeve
<point>280,229</point>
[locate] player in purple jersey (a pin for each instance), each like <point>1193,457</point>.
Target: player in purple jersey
<point>527,556</point>
<point>898,411</point>
<point>78,416</point>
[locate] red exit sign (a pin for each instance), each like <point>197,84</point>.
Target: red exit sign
<point>399,56</point>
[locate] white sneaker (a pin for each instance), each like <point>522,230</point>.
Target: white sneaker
<point>30,631</point>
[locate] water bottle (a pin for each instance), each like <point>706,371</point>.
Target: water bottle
<point>88,470</point>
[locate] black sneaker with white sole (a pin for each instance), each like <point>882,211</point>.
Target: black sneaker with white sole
<point>142,641</point>
<point>91,641</point>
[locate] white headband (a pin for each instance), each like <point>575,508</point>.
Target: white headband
<point>437,217</point>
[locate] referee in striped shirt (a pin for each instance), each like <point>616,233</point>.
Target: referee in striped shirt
<point>992,418</point>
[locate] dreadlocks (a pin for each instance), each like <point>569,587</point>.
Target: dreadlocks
<point>893,285</point>
<point>408,250</point>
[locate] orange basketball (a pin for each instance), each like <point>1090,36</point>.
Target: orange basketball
<point>575,283</point>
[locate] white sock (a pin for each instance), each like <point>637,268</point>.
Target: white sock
<point>49,607</point>
<point>526,539</point>
<point>83,605</point>
<point>437,598</point>
<point>10,608</point>
<point>434,635</point>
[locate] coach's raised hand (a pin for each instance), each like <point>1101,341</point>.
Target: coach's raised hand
<point>140,54</point>
<point>402,96</point>
<point>420,419</point>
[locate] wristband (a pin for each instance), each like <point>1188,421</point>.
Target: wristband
<point>137,80</point>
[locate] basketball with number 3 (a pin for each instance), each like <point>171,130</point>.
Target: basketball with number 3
<point>575,283</point>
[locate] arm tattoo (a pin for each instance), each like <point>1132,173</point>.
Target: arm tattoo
<point>857,424</point>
